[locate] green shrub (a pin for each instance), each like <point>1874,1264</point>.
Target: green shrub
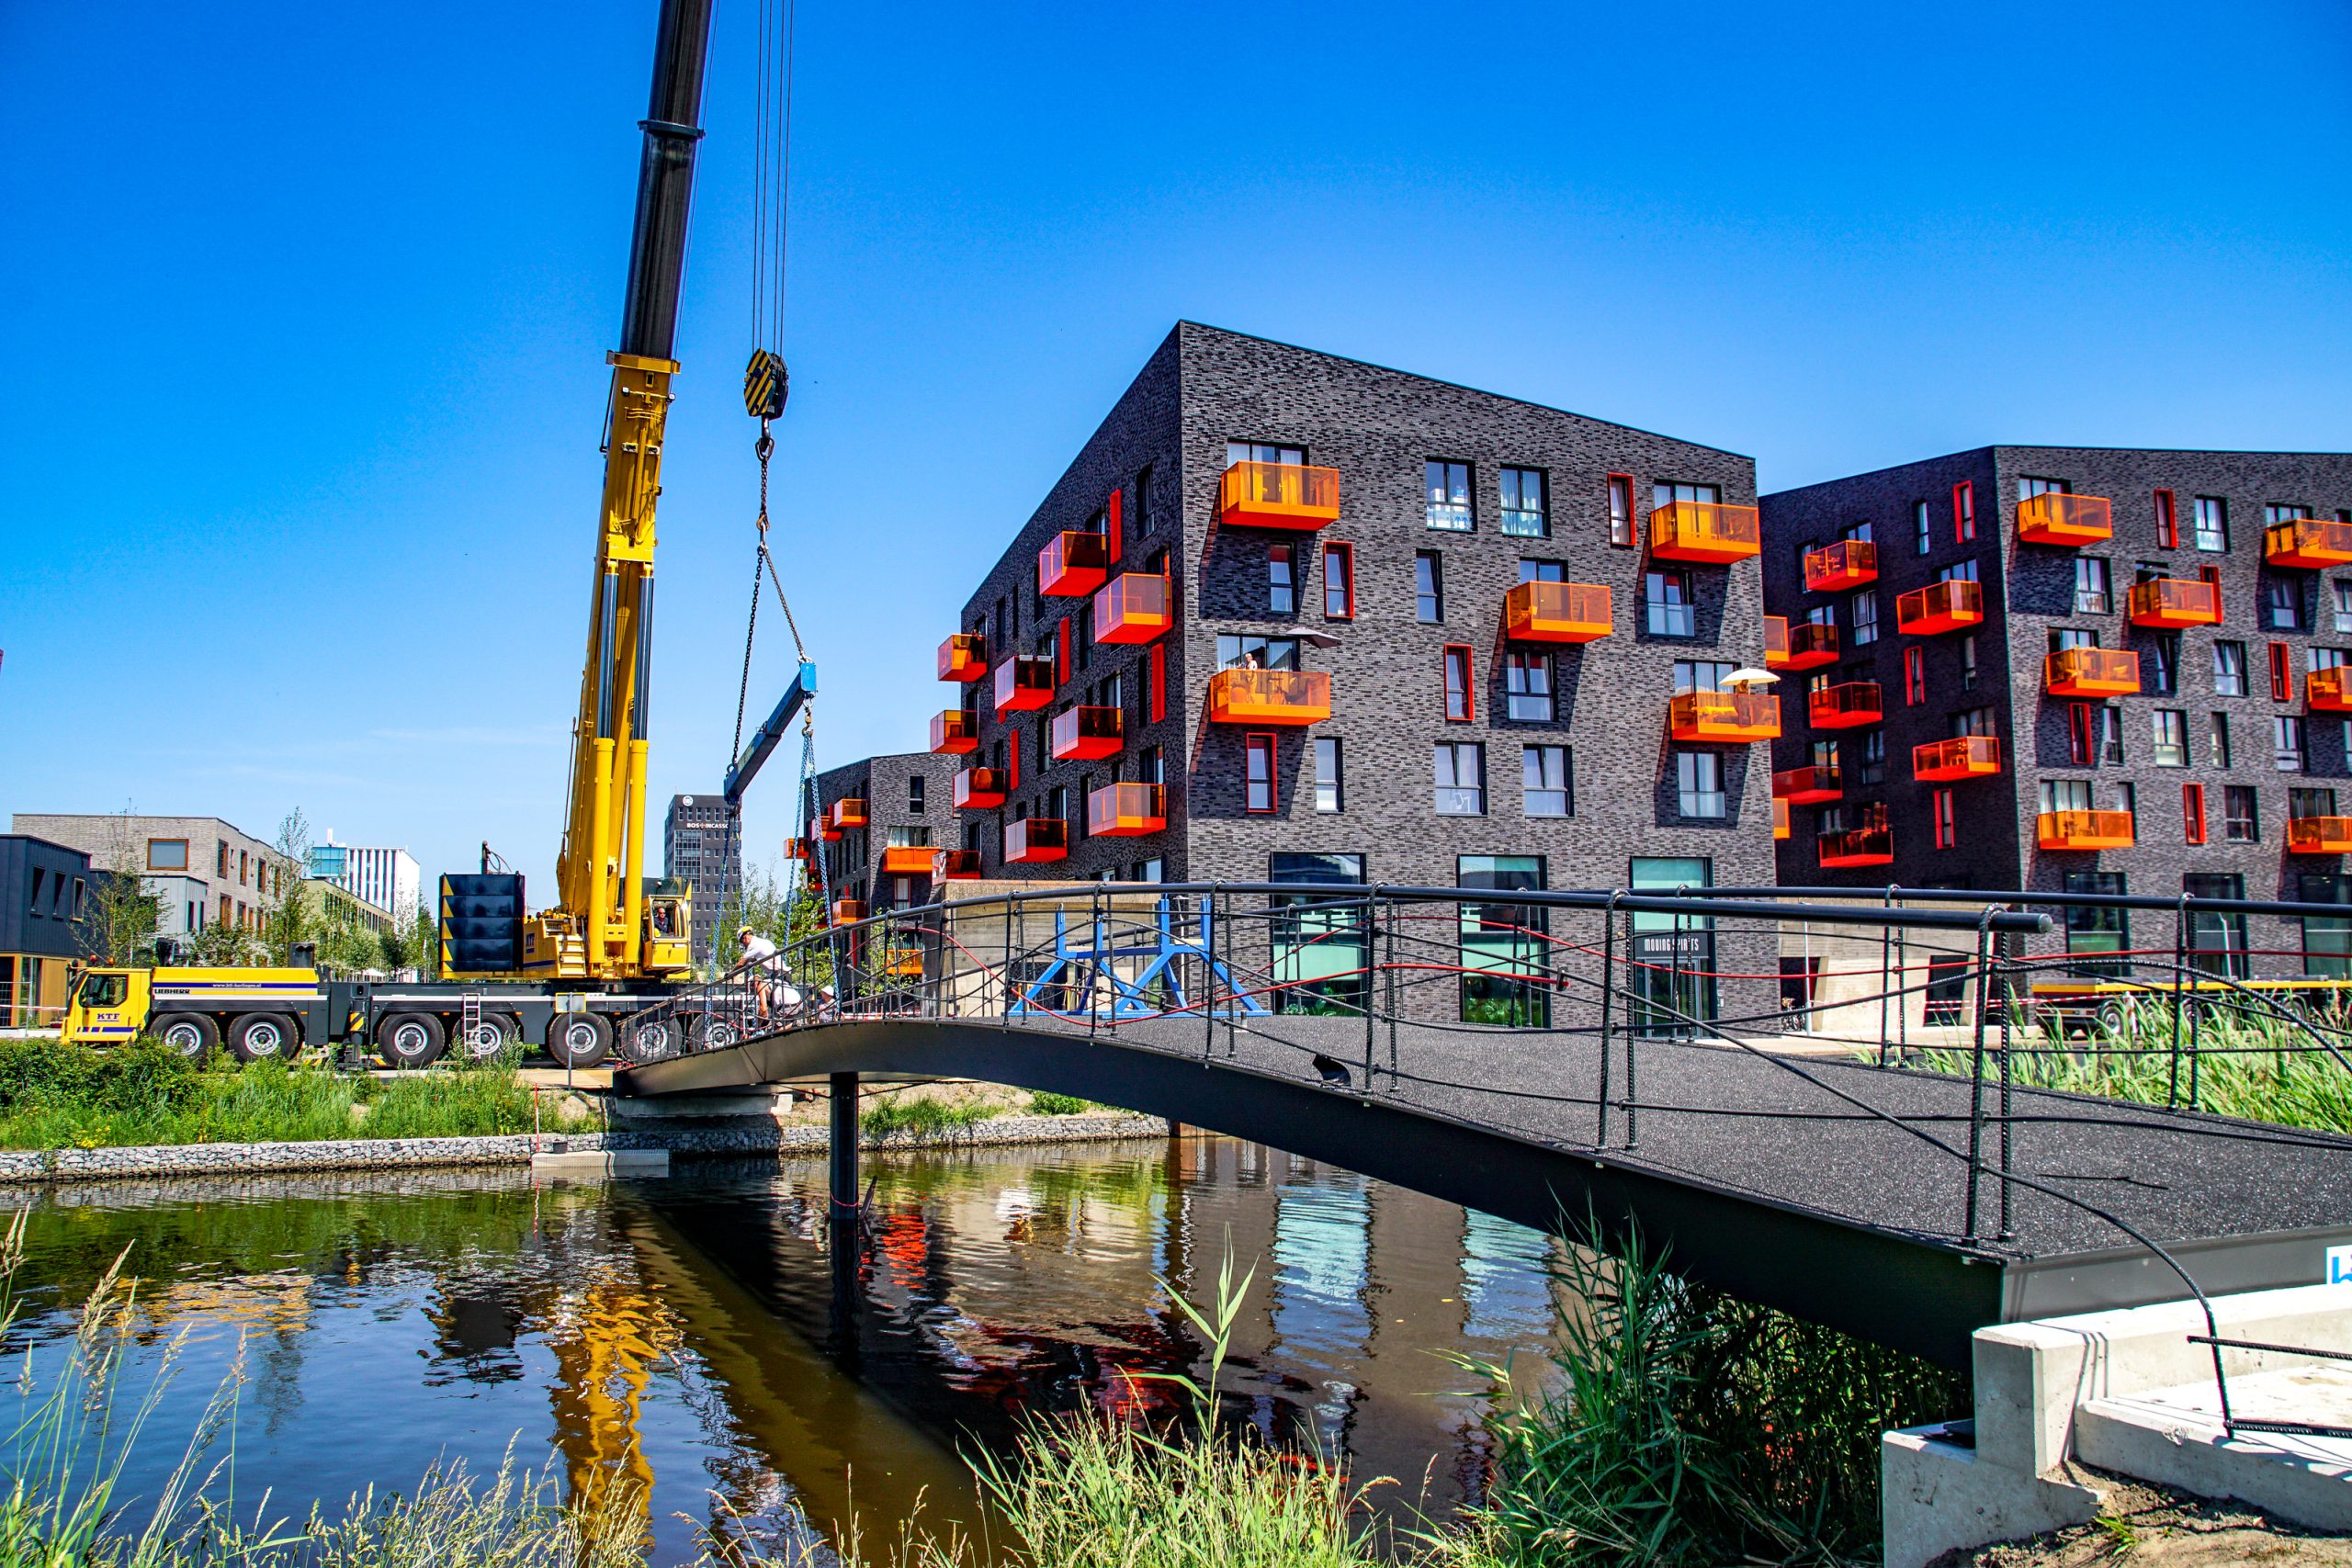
<point>1043,1103</point>
<point>920,1113</point>
<point>478,1103</point>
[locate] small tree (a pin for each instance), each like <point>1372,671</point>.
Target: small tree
<point>423,943</point>
<point>346,943</point>
<point>224,944</point>
<point>124,916</point>
<point>285,917</point>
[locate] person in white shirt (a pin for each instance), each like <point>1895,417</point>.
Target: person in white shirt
<point>762,964</point>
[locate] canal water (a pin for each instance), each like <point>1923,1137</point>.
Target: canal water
<point>688,1331</point>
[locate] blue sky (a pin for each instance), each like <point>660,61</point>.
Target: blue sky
<point>308,305</point>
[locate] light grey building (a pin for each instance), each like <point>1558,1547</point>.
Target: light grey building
<point>201,869</point>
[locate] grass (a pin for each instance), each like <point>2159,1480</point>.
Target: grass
<point>921,1113</point>
<point>1046,1103</point>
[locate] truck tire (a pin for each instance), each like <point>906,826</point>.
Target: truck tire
<point>494,1034</point>
<point>655,1039</point>
<point>189,1034</point>
<point>409,1040</point>
<point>713,1030</point>
<point>579,1039</point>
<point>264,1037</point>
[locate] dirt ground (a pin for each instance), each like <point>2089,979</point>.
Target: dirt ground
<point>2145,1526</point>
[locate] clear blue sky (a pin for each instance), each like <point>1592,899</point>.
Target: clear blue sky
<point>306,309</point>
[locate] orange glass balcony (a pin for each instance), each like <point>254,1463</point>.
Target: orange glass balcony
<point>1126,810</point>
<point>1780,819</point>
<point>1948,606</point>
<point>2082,830</point>
<point>954,732</point>
<point>1776,642</point>
<point>907,860</point>
<point>799,849</point>
<point>828,832</point>
<point>2090,673</point>
<point>964,657</point>
<point>2326,691</point>
<point>1278,495</point>
<point>1072,565</point>
<point>2308,542</point>
<point>1858,846</point>
<point>1849,705</point>
<point>1023,681</point>
<point>955,866</point>
<point>1724,716</point>
<point>848,812</point>
<point>1962,757</point>
<point>1033,841</point>
<point>1811,645</point>
<point>2319,835</point>
<point>1807,786</point>
<point>2175,601</point>
<point>1705,530</point>
<point>846,911</point>
<point>977,789</point>
<point>1557,611</point>
<point>2052,518</point>
<point>1082,732</point>
<point>1848,563</point>
<point>1134,606</point>
<point>1270,696</point>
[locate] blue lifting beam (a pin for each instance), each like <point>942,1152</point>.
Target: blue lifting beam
<point>1130,998</point>
<point>765,739</point>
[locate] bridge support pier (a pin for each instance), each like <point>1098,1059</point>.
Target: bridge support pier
<point>841,1217</point>
<point>843,1145</point>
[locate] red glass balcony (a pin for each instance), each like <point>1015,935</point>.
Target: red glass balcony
<point>1962,757</point>
<point>955,866</point>
<point>2326,689</point>
<point>1023,681</point>
<point>1705,530</point>
<point>2174,602</point>
<point>848,910</point>
<point>1849,705</point>
<point>1858,846</point>
<point>2319,835</point>
<point>2052,518</point>
<point>1780,819</point>
<point>2090,673</point>
<point>848,812</point>
<point>1848,563</point>
<point>1278,495</point>
<point>1072,565</point>
<point>964,657</point>
<point>2082,830</point>
<point>1270,696</point>
<point>2308,542</point>
<point>954,732</point>
<point>1126,810</point>
<point>907,860</point>
<point>1776,642</point>
<point>1807,786</point>
<point>1724,716</point>
<point>1812,644</point>
<point>977,789</point>
<point>1082,732</point>
<point>799,849</point>
<point>1940,607</point>
<point>1033,841</point>
<point>1557,611</point>
<point>1134,606</point>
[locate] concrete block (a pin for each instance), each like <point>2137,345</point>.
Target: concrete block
<point>1938,1495</point>
<point>2175,1437</point>
<point>594,1163</point>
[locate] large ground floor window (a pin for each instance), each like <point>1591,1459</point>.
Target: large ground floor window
<point>2216,941</point>
<point>1670,973</point>
<point>2094,930</point>
<point>1504,945</point>
<point>1321,948</point>
<point>2327,943</point>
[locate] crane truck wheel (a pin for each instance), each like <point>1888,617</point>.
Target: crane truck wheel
<point>409,1040</point>
<point>189,1034</point>
<point>264,1037</point>
<point>713,1032</point>
<point>492,1035</point>
<point>579,1040</point>
<point>651,1040</point>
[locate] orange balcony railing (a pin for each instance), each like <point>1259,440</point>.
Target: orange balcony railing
<point>1073,564</point>
<point>1948,606</point>
<point>1811,645</point>
<point>848,812</point>
<point>1848,563</point>
<point>1082,732</point>
<point>2308,542</point>
<point>847,912</point>
<point>1724,716</point>
<point>964,657</point>
<point>1023,681</point>
<point>2053,518</point>
<point>1557,611</point>
<point>1848,705</point>
<point>955,866</point>
<point>2319,835</point>
<point>1033,841</point>
<point>1270,696</point>
<point>1705,530</point>
<point>954,732</point>
<point>1808,785</point>
<point>2090,673</point>
<point>1873,845</point>
<point>799,849</point>
<point>1134,606</point>
<point>1776,642</point>
<point>2082,830</point>
<point>1126,810</point>
<point>907,860</point>
<point>1780,819</point>
<point>2327,690</point>
<point>1278,495</point>
<point>2175,601</point>
<point>1962,757</point>
<point>977,789</point>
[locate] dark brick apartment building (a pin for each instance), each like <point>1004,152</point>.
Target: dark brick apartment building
<point>2078,670</point>
<point>883,821</point>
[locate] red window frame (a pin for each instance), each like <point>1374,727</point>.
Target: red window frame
<point>1947,833</point>
<point>2282,674</point>
<point>1621,489</point>
<point>2192,812</point>
<point>1061,654</point>
<point>1457,658</point>
<point>2081,735</point>
<point>1344,554</point>
<point>1257,748</point>
<point>1114,534</point>
<point>1963,512</point>
<point>1159,682</point>
<point>2167,525</point>
<point>1915,676</point>
<point>1012,756</point>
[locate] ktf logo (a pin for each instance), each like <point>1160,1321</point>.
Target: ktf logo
<point>2339,1264</point>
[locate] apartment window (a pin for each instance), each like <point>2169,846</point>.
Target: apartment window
<point>2217,941</point>
<point>1461,778</point>
<point>1946,834</point>
<point>170,854</point>
<point>1339,582</point>
<point>1547,783</point>
<point>2282,675</point>
<point>1143,518</point>
<point>1621,509</point>
<point>1862,609</point>
<point>2090,586</point>
<point>1856,532</point>
<point>2274,513</point>
<point>1922,530</point>
<point>1963,512</point>
<point>2169,738</point>
<point>1699,783</point>
<point>1973,721</point>
<point>1281,579</point>
<point>2192,812</point>
<point>2340,593</point>
<point>2221,740</point>
<point>2111,734</point>
<point>915,783</point>
<point>1700,675</point>
<point>1542,570</point>
<point>2282,604</point>
<point>1263,451</point>
<point>2241,816</point>
<point>1959,572</point>
<point>1915,676</point>
<point>1459,707</point>
<point>2229,670</point>
<point>1151,770</point>
<point>2029,487</point>
<point>1523,497</point>
<point>2287,742</point>
<point>1869,759</point>
<point>1238,652</point>
<point>2163,665</point>
<point>2167,528</point>
<point>1666,602</point>
<point>2097,928</point>
<point>2212,523</point>
<point>1968,662</point>
<point>1327,774</point>
<point>1258,776</point>
<point>1527,682</point>
<point>2327,941</point>
<point>1448,485</point>
<point>1667,494</point>
<point>1429,588</point>
<point>221,868</point>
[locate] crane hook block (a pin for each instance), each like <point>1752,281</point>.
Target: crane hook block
<point>765,385</point>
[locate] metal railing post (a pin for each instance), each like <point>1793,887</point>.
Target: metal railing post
<point>2179,965</point>
<point>1208,975</point>
<point>2009,1007</point>
<point>1608,998</point>
<point>1886,958</point>
<point>1976,1076</point>
<point>1389,984</point>
<point>1363,992</point>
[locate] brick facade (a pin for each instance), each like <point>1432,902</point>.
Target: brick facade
<point>853,863</point>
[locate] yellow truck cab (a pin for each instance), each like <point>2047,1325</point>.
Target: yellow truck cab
<point>260,1014</point>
